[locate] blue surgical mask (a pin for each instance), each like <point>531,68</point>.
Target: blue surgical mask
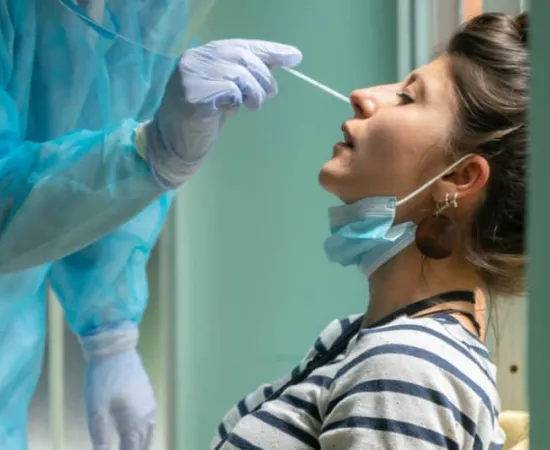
<point>363,234</point>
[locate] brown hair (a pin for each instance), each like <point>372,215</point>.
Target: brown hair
<point>491,73</point>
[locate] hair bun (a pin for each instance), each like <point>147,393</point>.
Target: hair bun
<point>522,25</point>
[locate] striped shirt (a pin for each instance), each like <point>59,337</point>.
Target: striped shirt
<point>424,383</point>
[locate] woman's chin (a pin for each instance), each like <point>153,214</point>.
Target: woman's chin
<point>331,178</point>
<point>343,184</point>
<point>326,176</point>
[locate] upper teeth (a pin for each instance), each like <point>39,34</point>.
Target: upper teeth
<point>347,138</point>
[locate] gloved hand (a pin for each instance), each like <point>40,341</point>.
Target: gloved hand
<point>118,388</point>
<point>209,82</point>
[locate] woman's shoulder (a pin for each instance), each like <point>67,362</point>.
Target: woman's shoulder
<point>422,372</point>
<point>439,346</point>
<point>442,334</point>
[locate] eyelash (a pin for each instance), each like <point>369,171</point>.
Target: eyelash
<point>407,99</point>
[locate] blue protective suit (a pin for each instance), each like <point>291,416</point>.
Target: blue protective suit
<point>69,173</point>
<point>71,100</point>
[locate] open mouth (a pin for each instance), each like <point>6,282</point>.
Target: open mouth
<point>348,139</point>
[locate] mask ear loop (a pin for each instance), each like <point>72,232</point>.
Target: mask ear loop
<point>432,181</point>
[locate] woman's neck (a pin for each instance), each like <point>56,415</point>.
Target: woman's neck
<point>409,277</point>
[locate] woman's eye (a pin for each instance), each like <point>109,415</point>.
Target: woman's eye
<point>405,99</point>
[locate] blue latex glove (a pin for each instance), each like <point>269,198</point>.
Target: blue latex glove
<point>117,389</point>
<point>209,82</point>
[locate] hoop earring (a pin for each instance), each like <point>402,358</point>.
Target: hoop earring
<point>437,235</point>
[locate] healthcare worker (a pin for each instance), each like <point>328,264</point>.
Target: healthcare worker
<point>101,119</point>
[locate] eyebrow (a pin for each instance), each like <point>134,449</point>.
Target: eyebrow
<point>416,76</point>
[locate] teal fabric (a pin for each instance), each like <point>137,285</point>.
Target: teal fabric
<point>70,100</point>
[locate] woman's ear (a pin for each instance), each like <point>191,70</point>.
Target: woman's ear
<point>467,180</point>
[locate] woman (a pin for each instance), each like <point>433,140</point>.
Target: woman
<point>450,143</point>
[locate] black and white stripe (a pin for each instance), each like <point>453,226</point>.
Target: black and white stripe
<point>414,383</point>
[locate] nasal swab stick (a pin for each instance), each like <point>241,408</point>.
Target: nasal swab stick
<point>317,84</point>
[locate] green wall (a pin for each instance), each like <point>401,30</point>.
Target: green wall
<point>539,241</point>
<point>255,286</point>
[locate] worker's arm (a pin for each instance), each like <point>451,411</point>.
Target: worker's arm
<point>59,196</point>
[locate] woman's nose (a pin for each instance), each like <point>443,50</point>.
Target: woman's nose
<point>363,103</point>
<point>366,102</point>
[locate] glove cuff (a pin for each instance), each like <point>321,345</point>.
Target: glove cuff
<point>144,134</point>
<point>110,341</point>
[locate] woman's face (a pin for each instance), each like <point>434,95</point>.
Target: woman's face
<point>396,140</point>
